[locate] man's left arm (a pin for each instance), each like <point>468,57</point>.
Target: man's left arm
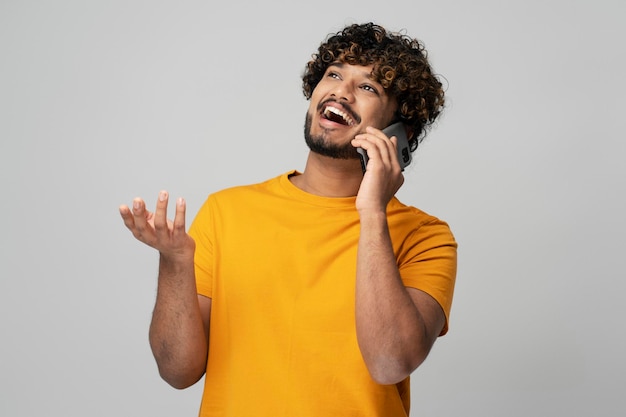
<point>396,326</point>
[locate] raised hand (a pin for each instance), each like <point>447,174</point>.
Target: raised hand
<point>154,229</point>
<point>383,177</point>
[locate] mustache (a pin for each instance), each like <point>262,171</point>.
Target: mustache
<point>345,106</point>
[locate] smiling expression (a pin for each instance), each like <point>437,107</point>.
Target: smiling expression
<point>344,102</point>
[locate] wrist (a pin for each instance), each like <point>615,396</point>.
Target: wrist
<point>176,262</point>
<point>372,213</point>
<point>373,219</point>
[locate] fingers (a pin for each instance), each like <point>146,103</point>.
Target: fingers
<point>154,229</point>
<point>126,216</point>
<point>162,226</point>
<point>383,176</point>
<point>379,147</point>
<point>179,218</point>
<point>129,215</point>
<point>160,216</point>
<point>138,221</point>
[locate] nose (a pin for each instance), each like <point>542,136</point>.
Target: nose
<point>343,90</point>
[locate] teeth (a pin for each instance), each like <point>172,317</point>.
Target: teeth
<point>339,113</point>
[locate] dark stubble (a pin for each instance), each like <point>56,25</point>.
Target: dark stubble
<point>321,145</point>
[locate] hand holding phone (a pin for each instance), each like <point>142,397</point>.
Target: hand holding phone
<point>404,152</point>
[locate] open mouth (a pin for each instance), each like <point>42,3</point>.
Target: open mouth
<point>335,115</point>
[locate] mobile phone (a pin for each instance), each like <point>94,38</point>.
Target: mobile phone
<point>404,152</point>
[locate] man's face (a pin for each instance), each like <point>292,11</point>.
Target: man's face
<point>343,103</point>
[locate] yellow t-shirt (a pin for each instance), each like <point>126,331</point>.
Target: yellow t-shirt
<point>279,265</point>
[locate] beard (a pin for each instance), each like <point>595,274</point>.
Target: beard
<point>321,145</point>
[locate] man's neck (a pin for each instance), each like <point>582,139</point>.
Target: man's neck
<point>329,177</point>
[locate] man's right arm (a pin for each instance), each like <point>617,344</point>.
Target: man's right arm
<point>179,331</point>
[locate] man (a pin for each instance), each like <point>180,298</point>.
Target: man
<point>314,293</point>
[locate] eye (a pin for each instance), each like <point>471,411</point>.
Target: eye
<point>332,74</point>
<point>370,88</point>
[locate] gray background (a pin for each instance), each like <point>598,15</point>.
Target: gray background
<point>102,101</point>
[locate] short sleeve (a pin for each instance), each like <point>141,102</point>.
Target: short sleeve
<point>202,232</point>
<point>429,263</point>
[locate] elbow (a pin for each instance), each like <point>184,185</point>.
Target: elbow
<point>390,375</point>
<point>180,368</point>
<point>391,371</point>
<point>180,380</point>
<point>180,372</point>
<point>177,383</point>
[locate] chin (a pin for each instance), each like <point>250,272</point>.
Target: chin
<point>320,144</point>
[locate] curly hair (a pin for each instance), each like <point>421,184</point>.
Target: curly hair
<point>400,65</point>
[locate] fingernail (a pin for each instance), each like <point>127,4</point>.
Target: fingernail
<point>180,201</point>
<point>136,204</point>
<point>162,196</point>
